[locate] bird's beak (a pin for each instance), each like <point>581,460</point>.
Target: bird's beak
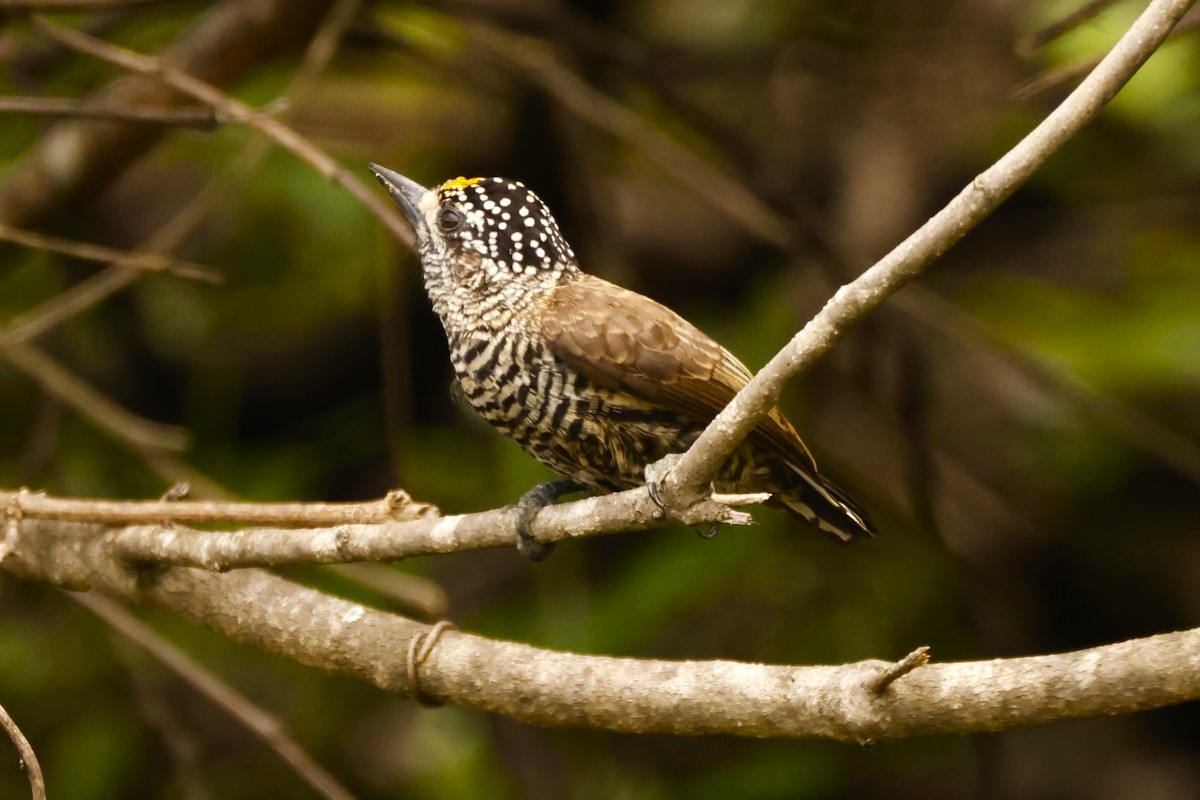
<point>407,194</point>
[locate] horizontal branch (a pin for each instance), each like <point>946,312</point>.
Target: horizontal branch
<point>851,703</point>
<point>631,510</point>
<point>86,251</point>
<point>203,118</point>
<point>397,505</point>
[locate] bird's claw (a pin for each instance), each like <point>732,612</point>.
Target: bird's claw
<point>528,507</point>
<point>656,498</point>
<point>656,474</point>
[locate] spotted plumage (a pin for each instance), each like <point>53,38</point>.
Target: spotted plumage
<point>591,379</point>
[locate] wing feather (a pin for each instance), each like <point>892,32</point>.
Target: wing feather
<point>623,340</point>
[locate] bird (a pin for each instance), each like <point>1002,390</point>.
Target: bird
<point>594,380</point>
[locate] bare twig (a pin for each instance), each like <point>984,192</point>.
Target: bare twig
<point>125,426</point>
<point>236,111</point>
<point>1051,79</point>
<point>426,599</point>
<point>88,293</point>
<point>918,251</point>
<point>1065,24</point>
<point>29,762</point>
<point>104,413</point>
<point>76,158</point>
<point>546,687</point>
<point>396,506</point>
<point>724,193</point>
<point>180,740</point>
<point>147,262</point>
<point>632,510</point>
<point>262,723</point>
<point>199,118</point>
<point>917,658</point>
<point>1120,419</point>
<point>70,5</point>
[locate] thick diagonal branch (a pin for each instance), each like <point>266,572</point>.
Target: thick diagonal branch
<point>909,259</point>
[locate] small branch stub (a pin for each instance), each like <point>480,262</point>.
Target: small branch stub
<point>917,658</point>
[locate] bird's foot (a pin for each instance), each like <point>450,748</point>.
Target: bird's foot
<point>528,506</point>
<point>655,474</point>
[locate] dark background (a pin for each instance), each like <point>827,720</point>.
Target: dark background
<point>1022,423</point>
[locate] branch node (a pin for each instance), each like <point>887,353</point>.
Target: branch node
<point>419,648</point>
<point>13,514</point>
<point>917,658</point>
<point>400,505</point>
<point>178,492</point>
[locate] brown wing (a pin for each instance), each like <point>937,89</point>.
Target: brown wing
<point>621,340</point>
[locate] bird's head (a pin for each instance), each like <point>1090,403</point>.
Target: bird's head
<point>482,235</point>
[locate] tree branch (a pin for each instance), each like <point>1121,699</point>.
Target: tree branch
<point>260,722</point>
<point>87,293</point>
<point>86,251</point>
<point>421,534</point>
<point>199,118</point>
<point>546,687</point>
<point>29,761</point>
<point>912,256</point>
<point>75,158</point>
<point>107,415</point>
<point>397,505</point>
<point>236,111</point>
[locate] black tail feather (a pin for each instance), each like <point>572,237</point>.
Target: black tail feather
<point>824,505</point>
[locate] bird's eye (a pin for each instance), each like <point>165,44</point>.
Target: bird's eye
<point>449,219</point>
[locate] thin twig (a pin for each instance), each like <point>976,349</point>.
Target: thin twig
<point>1118,418</point>
<point>103,412</point>
<point>908,260</point>
<point>424,598</point>
<point>917,658</point>
<point>236,111</point>
<point>88,293</point>
<point>724,193</point>
<point>199,118</point>
<point>397,506</point>
<point>147,262</point>
<point>73,159</point>
<point>262,723</point>
<point>29,762</point>
<point>93,290</point>
<point>163,714</point>
<point>70,5</point>
<point>1059,27</point>
<point>1053,78</point>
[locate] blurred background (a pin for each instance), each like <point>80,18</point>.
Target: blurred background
<point>1022,423</point>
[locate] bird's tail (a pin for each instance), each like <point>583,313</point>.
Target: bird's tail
<point>822,504</point>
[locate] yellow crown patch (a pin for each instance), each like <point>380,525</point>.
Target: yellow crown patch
<point>460,182</point>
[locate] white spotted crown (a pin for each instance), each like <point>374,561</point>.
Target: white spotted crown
<point>507,223</point>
